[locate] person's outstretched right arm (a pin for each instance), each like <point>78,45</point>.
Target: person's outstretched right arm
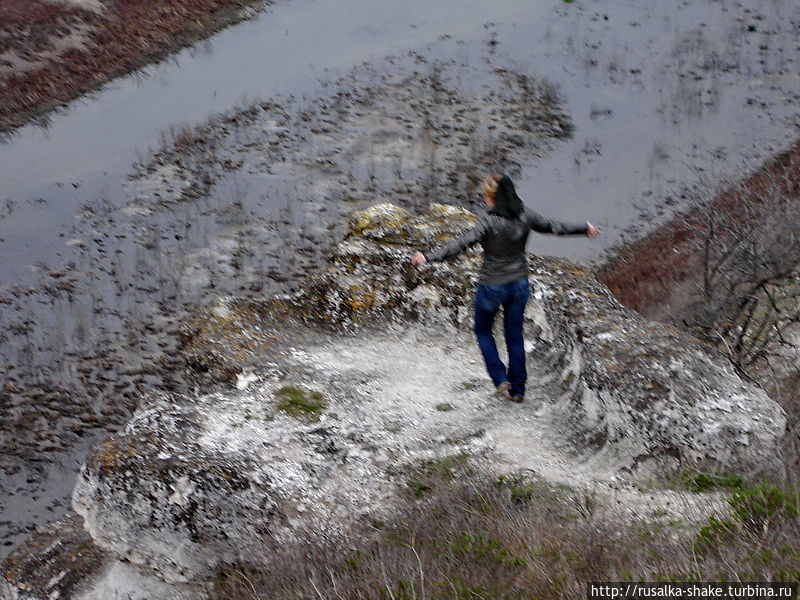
<point>456,246</point>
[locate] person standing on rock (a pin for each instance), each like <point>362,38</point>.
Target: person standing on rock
<point>503,278</point>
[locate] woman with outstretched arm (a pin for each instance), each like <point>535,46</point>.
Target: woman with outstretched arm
<point>503,279</point>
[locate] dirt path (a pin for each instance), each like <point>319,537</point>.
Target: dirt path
<point>436,389</point>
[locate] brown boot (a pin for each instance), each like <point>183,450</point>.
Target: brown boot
<point>502,391</point>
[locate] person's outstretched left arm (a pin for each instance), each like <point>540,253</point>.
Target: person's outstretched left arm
<point>457,246</point>
<point>544,225</point>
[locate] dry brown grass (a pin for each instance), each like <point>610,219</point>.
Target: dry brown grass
<point>126,35</point>
<point>466,537</point>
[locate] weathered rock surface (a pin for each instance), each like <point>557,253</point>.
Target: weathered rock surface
<point>640,394</point>
<point>643,396</point>
<point>60,561</point>
<point>370,279</point>
<point>193,483</point>
<point>54,562</point>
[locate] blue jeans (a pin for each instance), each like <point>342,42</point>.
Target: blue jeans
<point>512,296</point>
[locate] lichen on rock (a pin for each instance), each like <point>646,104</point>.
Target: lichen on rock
<point>370,279</point>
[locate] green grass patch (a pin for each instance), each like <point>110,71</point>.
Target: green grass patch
<point>560,501</point>
<point>301,404</point>
<point>525,488</point>
<point>755,507</point>
<point>764,526</point>
<point>445,407</point>
<point>706,482</point>
<point>487,538</point>
<point>480,546</point>
<point>714,533</point>
<point>450,465</point>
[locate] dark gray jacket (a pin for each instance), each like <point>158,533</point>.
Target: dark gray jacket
<point>503,242</point>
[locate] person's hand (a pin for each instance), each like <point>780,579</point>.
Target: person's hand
<point>418,259</point>
<point>591,230</point>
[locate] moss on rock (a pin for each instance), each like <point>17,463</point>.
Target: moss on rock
<point>300,403</point>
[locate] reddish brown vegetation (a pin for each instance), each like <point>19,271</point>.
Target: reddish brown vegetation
<point>32,22</point>
<point>126,34</point>
<point>645,274</point>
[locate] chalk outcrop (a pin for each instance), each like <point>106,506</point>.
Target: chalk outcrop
<point>642,396</point>
<point>61,562</point>
<point>317,437</point>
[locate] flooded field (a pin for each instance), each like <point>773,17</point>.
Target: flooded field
<point>132,207</point>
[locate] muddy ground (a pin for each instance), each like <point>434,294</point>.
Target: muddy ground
<point>51,52</point>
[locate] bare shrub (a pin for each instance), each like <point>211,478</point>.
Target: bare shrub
<point>645,274</point>
<point>748,251</point>
<point>747,291</point>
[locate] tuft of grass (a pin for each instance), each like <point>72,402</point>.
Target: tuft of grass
<point>706,482</point>
<point>762,505</point>
<point>445,407</point>
<point>420,488</point>
<point>431,474</point>
<point>295,401</point>
<point>486,547</point>
<point>562,502</point>
<point>762,535</point>
<point>716,532</point>
<point>522,489</point>
<point>450,465</point>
